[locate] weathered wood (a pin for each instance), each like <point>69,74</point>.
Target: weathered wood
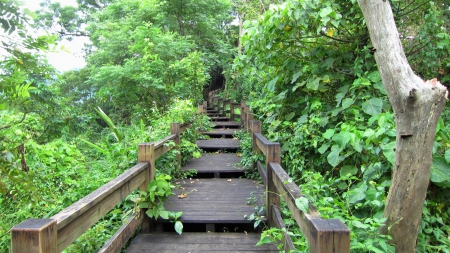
<point>80,216</point>
<point>272,197</point>
<point>160,148</point>
<point>200,109</point>
<point>199,242</point>
<point>279,223</point>
<point>226,124</point>
<point>146,153</point>
<point>221,132</point>
<point>184,127</point>
<point>121,237</point>
<point>211,163</point>
<point>262,172</point>
<point>216,200</point>
<point>218,144</point>
<point>261,142</point>
<point>34,236</point>
<point>175,129</point>
<point>316,230</point>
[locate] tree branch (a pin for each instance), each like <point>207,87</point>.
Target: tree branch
<point>13,123</point>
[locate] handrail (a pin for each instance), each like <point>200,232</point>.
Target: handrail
<point>61,230</point>
<point>323,235</point>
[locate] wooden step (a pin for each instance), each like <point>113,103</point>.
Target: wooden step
<point>215,163</point>
<point>220,119</point>
<point>214,200</point>
<point>218,144</point>
<point>221,132</point>
<point>198,242</point>
<point>214,114</point>
<point>227,124</point>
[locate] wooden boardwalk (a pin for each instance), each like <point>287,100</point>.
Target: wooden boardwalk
<point>215,201</point>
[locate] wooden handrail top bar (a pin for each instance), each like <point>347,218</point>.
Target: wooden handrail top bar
<point>262,142</point>
<point>161,142</point>
<point>67,215</point>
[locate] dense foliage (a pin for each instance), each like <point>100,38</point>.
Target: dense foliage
<point>308,72</point>
<point>65,135</point>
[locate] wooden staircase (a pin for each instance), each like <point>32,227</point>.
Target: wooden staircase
<point>216,203</point>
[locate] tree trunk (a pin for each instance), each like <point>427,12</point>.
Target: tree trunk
<point>417,106</point>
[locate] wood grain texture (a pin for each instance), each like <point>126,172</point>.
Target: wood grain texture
<point>226,124</point>
<point>34,235</point>
<point>211,163</point>
<point>218,144</point>
<point>198,242</point>
<point>221,132</point>
<point>216,200</point>
<point>120,238</point>
<point>80,216</point>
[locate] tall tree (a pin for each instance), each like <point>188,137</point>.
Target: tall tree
<point>417,106</point>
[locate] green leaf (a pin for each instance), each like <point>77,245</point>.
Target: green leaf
<point>264,240</point>
<point>325,11</point>
<point>440,172</point>
<point>179,227</point>
<point>302,203</point>
<point>389,152</point>
<point>342,138</point>
<point>447,155</point>
<point>333,157</point>
<point>109,122</point>
<point>358,194</point>
<point>346,103</point>
<point>328,134</point>
<point>296,76</point>
<point>196,154</point>
<point>373,106</point>
<point>348,169</point>
<point>313,85</point>
<point>271,84</point>
<point>324,148</point>
<point>164,214</point>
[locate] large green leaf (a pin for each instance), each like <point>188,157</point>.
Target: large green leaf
<point>302,203</point>
<point>333,157</point>
<point>440,172</point>
<point>389,152</point>
<point>179,227</point>
<point>271,84</point>
<point>358,194</point>
<point>348,169</point>
<point>342,138</point>
<point>373,106</point>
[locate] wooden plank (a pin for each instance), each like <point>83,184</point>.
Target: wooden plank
<point>34,235</point>
<point>272,196</point>
<point>262,172</point>
<point>212,163</point>
<point>290,192</point>
<point>80,216</point>
<point>226,124</point>
<point>198,242</point>
<point>121,237</point>
<point>216,200</point>
<point>218,144</point>
<point>160,148</point>
<point>215,132</point>
<point>261,142</point>
<point>286,240</point>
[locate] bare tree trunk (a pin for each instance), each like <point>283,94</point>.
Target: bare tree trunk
<point>417,106</point>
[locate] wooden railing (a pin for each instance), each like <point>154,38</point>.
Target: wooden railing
<point>61,230</point>
<point>323,235</point>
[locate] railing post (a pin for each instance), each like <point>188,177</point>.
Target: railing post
<point>200,109</point>
<point>146,153</point>
<point>246,113</point>
<point>272,196</point>
<point>35,235</point>
<point>175,129</point>
<point>231,110</point>
<point>255,128</point>
<point>205,106</point>
<point>220,106</point>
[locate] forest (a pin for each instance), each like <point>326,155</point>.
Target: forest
<point>306,68</point>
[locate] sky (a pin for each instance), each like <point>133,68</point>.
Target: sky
<point>72,56</point>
